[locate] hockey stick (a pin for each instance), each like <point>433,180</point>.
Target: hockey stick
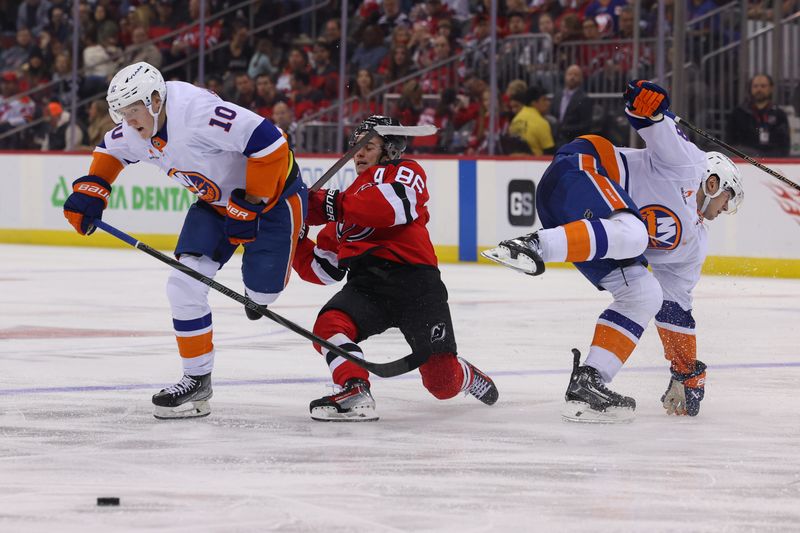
<point>384,370</point>
<point>406,131</point>
<point>734,151</point>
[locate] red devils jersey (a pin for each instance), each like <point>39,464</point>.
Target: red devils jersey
<point>385,214</point>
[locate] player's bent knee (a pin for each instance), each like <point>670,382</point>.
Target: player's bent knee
<point>627,235</point>
<point>184,292</point>
<point>442,375</point>
<point>334,322</point>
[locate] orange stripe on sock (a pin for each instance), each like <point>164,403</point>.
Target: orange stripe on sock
<point>608,157</point>
<point>579,244</point>
<point>196,346</point>
<point>612,340</point>
<point>602,182</point>
<point>679,348</point>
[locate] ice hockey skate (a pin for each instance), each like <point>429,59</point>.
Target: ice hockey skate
<point>479,384</point>
<point>589,400</point>
<point>522,254</point>
<point>186,399</point>
<point>353,403</point>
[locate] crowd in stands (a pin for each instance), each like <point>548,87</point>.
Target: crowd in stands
<point>284,74</point>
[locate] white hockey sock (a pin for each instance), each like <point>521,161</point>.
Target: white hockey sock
<point>621,236</point>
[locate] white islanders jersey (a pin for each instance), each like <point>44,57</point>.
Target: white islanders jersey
<point>207,145</point>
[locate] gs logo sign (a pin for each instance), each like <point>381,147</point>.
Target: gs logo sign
<point>521,194</point>
<point>663,227</point>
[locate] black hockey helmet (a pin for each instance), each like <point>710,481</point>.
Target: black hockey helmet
<point>393,145</point>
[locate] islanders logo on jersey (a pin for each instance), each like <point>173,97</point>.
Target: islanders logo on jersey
<point>199,185</point>
<point>663,227</point>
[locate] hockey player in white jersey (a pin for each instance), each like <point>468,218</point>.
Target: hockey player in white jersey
<point>675,187</point>
<point>248,190</point>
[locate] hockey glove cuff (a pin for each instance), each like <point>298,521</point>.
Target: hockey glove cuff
<point>242,220</point>
<point>86,203</point>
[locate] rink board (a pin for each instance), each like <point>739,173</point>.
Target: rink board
<point>474,204</point>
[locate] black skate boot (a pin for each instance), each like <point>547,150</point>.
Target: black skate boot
<point>589,400</point>
<point>186,399</point>
<point>252,315</point>
<point>479,384</point>
<point>523,254</point>
<point>353,403</point>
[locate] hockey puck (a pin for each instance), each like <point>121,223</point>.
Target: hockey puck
<point>107,501</point>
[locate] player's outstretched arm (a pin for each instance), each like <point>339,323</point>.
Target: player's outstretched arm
<point>647,109</point>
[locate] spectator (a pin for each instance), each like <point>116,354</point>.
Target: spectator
<point>267,95</point>
<point>611,8</point>
<point>234,58</point>
<point>102,59</point>
<point>100,122</point>
<point>16,56</point>
<point>758,126</point>
<point>399,65</point>
<point>59,26</point>
<point>297,60</point>
<point>33,15</point>
<point>189,41</point>
<point>529,123</point>
<point>410,105</point>
<point>283,117</point>
<point>261,62</point>
<point>573,107</point>
<point>449,74</point>
<point>14,110</point>
<point>371,51</point>
<point>363,106</point>
<point>36,73</point>
<point>245,91</point>
<point>57,133</point>
<point>305,98</point>
<point>104,25</point>
<point>391,16</point>
<point>62,77</point>
<point>165,22</point>
<point>324,74</point>
<point>141,49</point>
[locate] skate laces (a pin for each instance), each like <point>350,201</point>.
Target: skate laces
<point>480,385</point>
<point>183,386</point>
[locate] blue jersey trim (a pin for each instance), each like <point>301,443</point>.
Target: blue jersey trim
<point>263,136</point>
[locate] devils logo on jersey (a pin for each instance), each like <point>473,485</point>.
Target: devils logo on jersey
<point>352,232</point>
<point>663,227</point>
<point>199,185</point>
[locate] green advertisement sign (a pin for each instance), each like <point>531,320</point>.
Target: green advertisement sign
<point>134,198</point>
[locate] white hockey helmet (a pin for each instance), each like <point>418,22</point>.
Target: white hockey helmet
<point>730,179</point>
<point>136,83</point>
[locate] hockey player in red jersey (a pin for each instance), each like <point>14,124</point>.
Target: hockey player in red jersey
<point>375,233</point>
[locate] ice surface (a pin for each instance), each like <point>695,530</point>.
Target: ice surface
<point>85,339</point>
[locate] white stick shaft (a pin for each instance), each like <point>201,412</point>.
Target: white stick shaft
<point>407,131</point>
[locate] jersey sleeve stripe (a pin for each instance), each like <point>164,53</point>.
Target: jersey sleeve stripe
<point>326,266</point>
<point>403,205</point>
<point>105,165</point>
<point>265,139</point>
<point>607,154</point>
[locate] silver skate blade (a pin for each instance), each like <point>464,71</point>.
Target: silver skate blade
<point>330,414</point>
<point>193,409</point>
<point>580,412</point>
<point>502,255</point>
